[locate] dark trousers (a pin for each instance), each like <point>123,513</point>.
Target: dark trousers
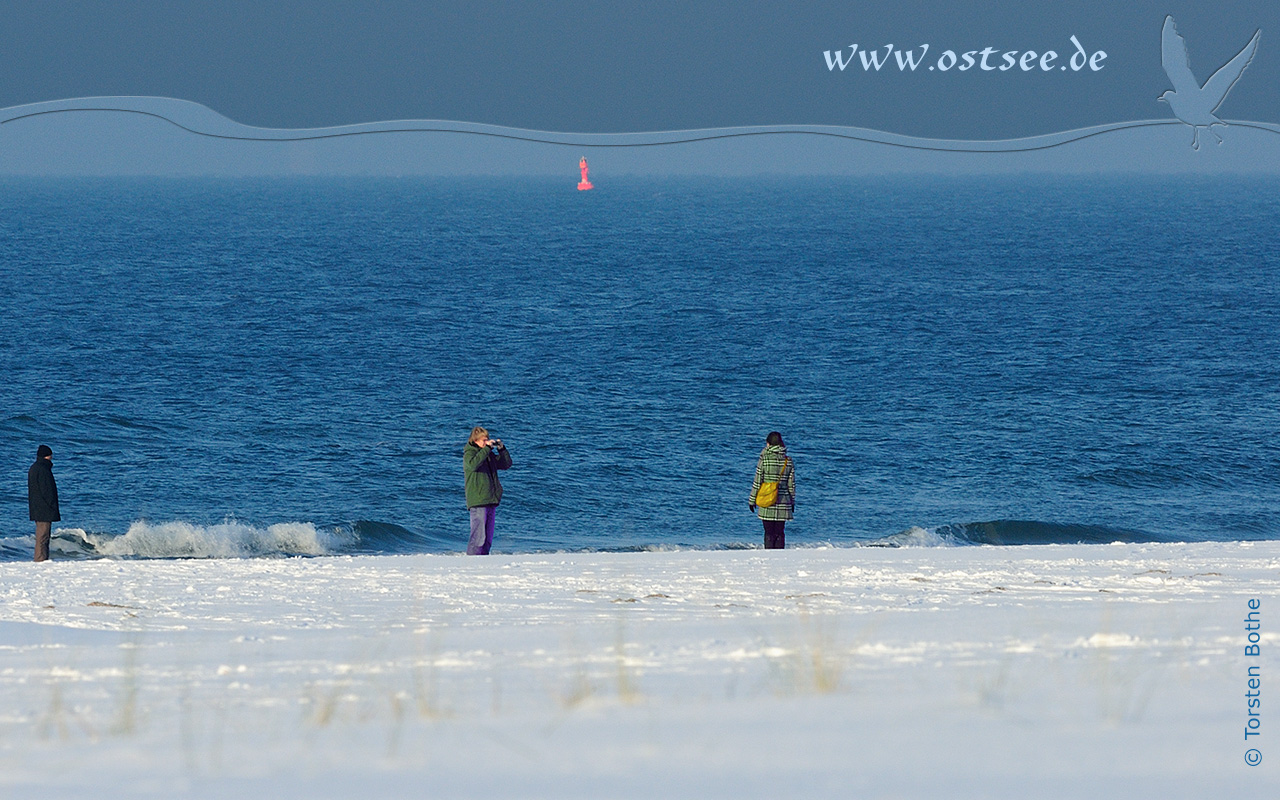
<point>774,538</point>
<point>43,531</point>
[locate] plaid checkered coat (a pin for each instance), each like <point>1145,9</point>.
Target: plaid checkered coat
<point>772,465</point>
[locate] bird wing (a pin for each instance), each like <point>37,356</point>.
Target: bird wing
<point>1173,55</point>
<point>1220,83</point>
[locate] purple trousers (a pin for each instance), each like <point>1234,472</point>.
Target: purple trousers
<point>481,530</point>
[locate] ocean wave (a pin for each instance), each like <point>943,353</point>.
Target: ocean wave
<point>16,548</point>
<point>228,539</point>
<point>915,537</point>
<point>371,536</point>
<point>234,539</point>
<point>231,539</point>
<point>1013,532</point>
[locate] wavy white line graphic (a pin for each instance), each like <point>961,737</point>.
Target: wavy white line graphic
<point>201,120</point>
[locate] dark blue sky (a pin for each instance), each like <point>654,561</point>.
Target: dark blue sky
<point>571,65</point>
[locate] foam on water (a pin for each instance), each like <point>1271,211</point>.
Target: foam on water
<point>234,539</point>
<point>916,536</point>
<point>229,539</point>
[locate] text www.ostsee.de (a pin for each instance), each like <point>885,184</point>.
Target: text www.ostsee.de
<point>988,59</point>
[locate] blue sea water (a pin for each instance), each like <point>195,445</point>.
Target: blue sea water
<point>243,368</point>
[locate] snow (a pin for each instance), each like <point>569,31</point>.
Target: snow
<point>958,672</point>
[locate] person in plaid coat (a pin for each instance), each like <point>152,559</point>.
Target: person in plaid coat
<point>774,465</point>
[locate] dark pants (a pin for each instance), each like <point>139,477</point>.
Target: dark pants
<point>774,539</point>
<point>43,531</point>
<point>481,530</point>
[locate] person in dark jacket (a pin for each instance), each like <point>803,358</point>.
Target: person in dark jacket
<point>481,460</point>
<point>774,466</point>
<point>42,499</point>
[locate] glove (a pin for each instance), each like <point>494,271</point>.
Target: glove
<point>753,508</point>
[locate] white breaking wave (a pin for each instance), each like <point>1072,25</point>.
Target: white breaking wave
<point>916,536</point>
<point>229,539</point>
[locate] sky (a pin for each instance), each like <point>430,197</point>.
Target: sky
<point>591,67</point>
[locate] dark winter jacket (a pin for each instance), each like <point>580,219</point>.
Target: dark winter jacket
<point>480,469</point>
<point>42,492</point>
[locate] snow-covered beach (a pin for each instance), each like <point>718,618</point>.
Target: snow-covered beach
<point>1047,671</point>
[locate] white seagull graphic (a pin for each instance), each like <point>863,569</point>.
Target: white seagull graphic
<point>1192,103</point>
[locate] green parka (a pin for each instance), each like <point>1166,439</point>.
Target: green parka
<point>480,469</point>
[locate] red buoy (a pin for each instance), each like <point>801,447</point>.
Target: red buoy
<point>584,184</point>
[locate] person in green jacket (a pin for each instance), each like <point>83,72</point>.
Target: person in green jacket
<point>774,466</point>
<point>481,460</point>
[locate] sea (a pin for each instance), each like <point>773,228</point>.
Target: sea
<point>268,368</point>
